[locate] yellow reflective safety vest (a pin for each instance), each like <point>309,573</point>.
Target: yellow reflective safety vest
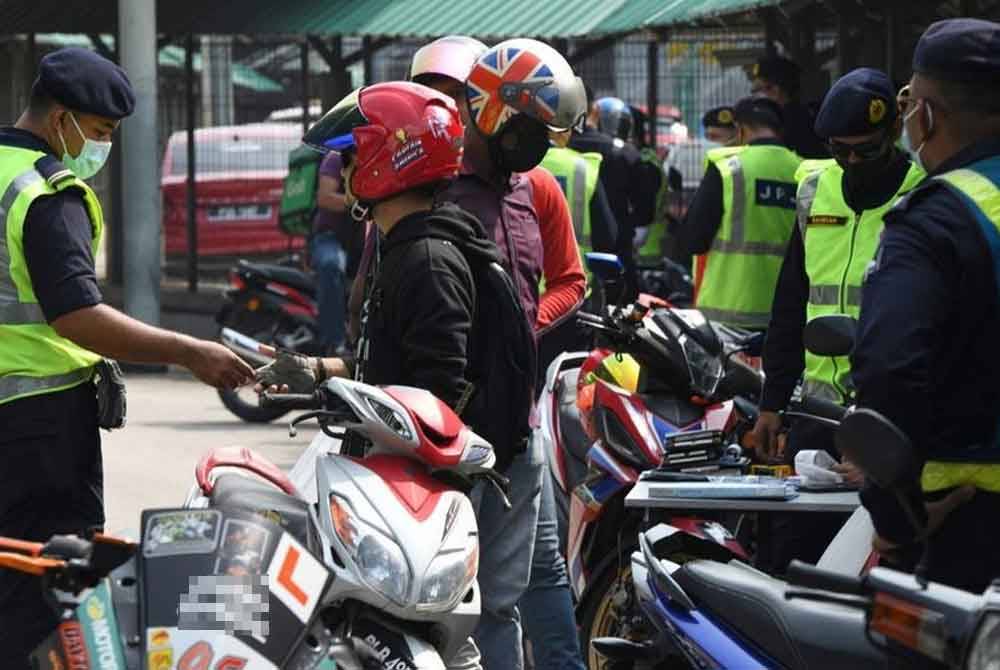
<point>839,247</point>
<point>577,173</point>
<point>978,187</point>
<point>741,269</point>
<point>34,359</point>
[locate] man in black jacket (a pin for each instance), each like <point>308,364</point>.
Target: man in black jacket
<point>419,325</point>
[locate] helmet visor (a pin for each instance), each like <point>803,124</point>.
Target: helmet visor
<point>334,132</point>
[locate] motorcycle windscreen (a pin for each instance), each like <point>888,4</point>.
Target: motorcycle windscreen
<point>224,589</point>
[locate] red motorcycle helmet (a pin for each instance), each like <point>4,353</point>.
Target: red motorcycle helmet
<point>402,135</point>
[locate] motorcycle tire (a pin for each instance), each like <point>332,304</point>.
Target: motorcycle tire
<point>260,327</point>
<point>598,615</point>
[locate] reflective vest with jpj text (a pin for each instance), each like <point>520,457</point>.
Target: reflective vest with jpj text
<point>741,268</point>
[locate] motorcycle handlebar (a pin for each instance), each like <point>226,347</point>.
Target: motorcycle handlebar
<point>292,400</point>
<point>810,577</point>
<point>824,409</point>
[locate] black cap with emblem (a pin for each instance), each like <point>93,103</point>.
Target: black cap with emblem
<point>960,50</point>
<point>859,103</point>
<point>718,117</point>
<point>86,82</point>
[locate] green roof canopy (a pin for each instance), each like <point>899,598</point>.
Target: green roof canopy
<point>169,56</point>
<point>378,18</point>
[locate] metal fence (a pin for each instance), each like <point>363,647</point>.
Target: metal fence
<point>247,96</point>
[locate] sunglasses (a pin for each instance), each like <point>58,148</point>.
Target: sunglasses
<point>864,150</point>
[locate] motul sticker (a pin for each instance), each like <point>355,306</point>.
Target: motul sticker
<point>296,578</point>
<point>74,645</point>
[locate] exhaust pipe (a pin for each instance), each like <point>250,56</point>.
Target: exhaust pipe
<point>246,347</point>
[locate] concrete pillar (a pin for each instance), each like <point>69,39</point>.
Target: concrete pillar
<point>218,108</point>
<point>140,164</point>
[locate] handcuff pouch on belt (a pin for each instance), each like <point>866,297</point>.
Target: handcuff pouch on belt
<point>110,385</point>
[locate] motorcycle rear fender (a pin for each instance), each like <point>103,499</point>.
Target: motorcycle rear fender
<point>700,640</point>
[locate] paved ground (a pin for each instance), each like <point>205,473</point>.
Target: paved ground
<point>172,421</point>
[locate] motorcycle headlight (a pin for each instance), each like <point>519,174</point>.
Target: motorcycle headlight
<point>704,368</point>
<point>448,579</point>
<point>984,654</point>
<point>380,560</point>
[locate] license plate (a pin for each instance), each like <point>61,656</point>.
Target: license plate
<point>223,214</point>
<point>392,649</point>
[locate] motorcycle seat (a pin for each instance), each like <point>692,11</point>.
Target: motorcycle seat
<point>797,633</point>
<point>570,426</point>
<point>281,274</point>
<point>234,491</point>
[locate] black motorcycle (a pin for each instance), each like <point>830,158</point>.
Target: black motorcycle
<point>274,304</point>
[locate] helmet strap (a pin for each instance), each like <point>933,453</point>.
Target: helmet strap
<point>361,211</point>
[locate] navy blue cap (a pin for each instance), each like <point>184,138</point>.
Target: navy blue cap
<point>86,82</point>
<point>718,117</point>
<point>860,102</point>
<point>965,50</point>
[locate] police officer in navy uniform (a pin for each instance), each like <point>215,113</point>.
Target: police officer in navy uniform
<point>926,351</point>
<point>54,330</point>
<point>840,205</point>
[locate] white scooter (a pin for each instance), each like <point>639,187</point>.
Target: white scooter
<point>396,527</point>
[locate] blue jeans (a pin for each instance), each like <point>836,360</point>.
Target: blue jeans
<point>329,261</point>
<point>506,542</point>
<point>547,605</point>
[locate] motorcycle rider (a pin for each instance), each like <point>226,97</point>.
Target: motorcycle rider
<point>840,203</point>
<point>925,354</point>
<point>402,142</point>
<point>741,218</point>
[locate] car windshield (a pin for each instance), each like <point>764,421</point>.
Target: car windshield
<point>233,153</point>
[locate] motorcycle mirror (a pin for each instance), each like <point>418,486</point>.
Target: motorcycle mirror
<point>830,335</point>
<point>873,443</point>
<point>753,345</point>
<point>607,267</point>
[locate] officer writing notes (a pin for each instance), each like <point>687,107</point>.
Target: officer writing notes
<point>54,330</point>
<point>926,353</point>
<point>840,205</point>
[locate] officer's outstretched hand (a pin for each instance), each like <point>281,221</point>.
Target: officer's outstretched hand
<point>216,365</point>
<point>289,373</point>
<point>764,436</point>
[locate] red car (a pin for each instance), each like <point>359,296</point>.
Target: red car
<point>239,172</point>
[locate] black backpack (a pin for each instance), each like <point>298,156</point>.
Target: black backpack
<point>502,364</point>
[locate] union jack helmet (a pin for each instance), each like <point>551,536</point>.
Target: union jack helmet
<point>523,76</point>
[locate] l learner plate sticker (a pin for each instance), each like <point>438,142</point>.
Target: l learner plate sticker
<point>296,578</point>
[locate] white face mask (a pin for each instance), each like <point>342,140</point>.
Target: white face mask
<point>92,157</point>
<point>908,143</point>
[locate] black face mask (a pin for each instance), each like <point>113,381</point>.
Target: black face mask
<point>521,145</point>
<point>862,173</point>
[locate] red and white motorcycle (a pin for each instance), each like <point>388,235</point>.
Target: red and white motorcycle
<point>396,527</point>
